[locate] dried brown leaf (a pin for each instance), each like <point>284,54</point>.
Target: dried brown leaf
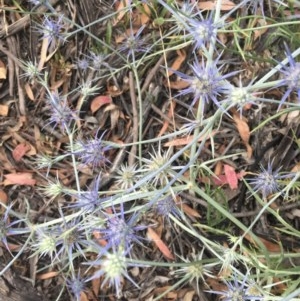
<point>181,56</point>
<point>210,5</point>
<point>29,92</point>
<point>187,140</point>
<point>231,176</point>
<point>3,70</point>
<point>3,197</point>
<point>22,178</point>
<point>243,130</point>
<point>152,235</point>
<point>4,110</point>
<point>47,275</point>
<point>100,101</point>
<point>20,151</point>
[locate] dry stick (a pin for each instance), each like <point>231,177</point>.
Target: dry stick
<point>22,104</point>
<point>43,54</point>
<point>161,114</point>
<point>151,74</point>
<point>9,54</point>
<point>133,150</point>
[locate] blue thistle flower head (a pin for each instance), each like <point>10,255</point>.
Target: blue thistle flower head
<point>76,285</point>
<point>134,43</point>
<point>202,31</point>
<point>72,237</point>
<point>237,290</point>
<point>93,152</point>
<point>167,206</point>
<point>52,30</point>
<point>291,77</point>
<point>83,64</point>
<point>121,233</point>
<point>266,181</point>
<point>97,60</point>
<point>89,201</point>
<point>206,82</point>
<point>61,113</point>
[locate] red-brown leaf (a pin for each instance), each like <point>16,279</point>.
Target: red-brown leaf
<point>231,176</point>
<point>100,101</point>
<point>152,235</point>
<point>20,150</point>
<point>22,178</point>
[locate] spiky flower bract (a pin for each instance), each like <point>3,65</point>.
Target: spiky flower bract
<point>206,83</point>
<point>45,242</point>
<point>72,238</point>
<point>83,64</point>
<point>239,97</point>
<point>134,43</point>
<point>126,176</point>
<point>97,60</point>
<point>113,267</point>
<point>181,15</point>
<point>121,232</point>
<point>52,30</point>
<point>291,77</point>
<point>195,270</point>
<point>266,181</point>
<point>202,31</point>
<point>89,201</point>
<point>92,152</point>
<point>61,113</point>
<point>237,290</point>
<point>31,70</point>
<point>76,285</point>
<point>167,206</point>
<point>155,162</point>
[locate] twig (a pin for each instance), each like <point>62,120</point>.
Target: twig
<point>133,150</point>
<point>151,74</point>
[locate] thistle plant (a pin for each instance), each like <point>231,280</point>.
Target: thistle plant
<point>108,197</point>
<point>155,162</point>
<point>45,242</point>
<point>89,200</point>
<point>72,240</point>
<point>202,31</point>
<point>134,43</point>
